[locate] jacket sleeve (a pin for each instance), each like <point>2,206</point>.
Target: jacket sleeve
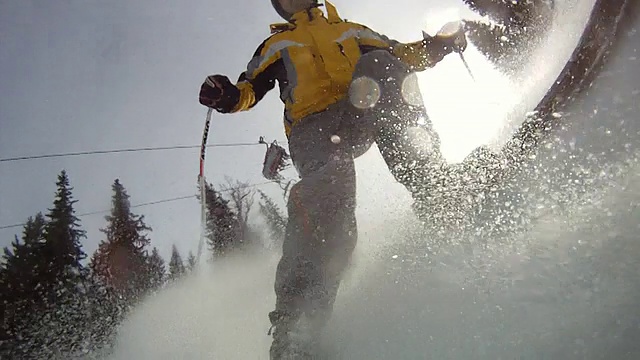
<point>419,55</point>
<point>259,77</point>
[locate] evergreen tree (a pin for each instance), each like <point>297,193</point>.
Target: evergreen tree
<point>106,310</point>
<point>62,247</point>
<point>21,264</point>
<point>65,276</point>
<point>121,261</point>
<point>176,265</point>
<point>45,312</point>
<point>19,278</point>
<point>191,261</point>
<point>222,223</point>
<point>155,271</point>
<point>276,221</point>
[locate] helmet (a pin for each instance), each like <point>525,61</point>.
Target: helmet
<point>286,8</point>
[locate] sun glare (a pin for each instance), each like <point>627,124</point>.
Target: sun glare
<point>467,110</point>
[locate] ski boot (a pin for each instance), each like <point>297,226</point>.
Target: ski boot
<point>287,344</point>
<point>451,195</point>
<point>483,169</point>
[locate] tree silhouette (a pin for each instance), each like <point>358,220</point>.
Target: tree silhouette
<point>176,265</point>
<point>44,313</point>
<point>276,221</point>
<point>155,271</point>
<point>222,223</point>
<point>121,259</point>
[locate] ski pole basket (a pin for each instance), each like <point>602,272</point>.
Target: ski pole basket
<point>275,160</point>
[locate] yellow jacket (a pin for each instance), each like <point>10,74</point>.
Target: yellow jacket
<point>313,59</point>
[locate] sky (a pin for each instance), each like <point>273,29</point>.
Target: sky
<point>95,75</point>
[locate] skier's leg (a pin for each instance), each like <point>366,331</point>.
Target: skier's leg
<point>405,136</point>
<point>341,238</point>
<point>320,234</point>
<point>409,144</point>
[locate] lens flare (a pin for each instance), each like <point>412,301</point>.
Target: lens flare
<point>411,90</point>
<point>364,92</point>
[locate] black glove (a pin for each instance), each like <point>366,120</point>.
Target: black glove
<point>452,37</point>
<point>219,93</point>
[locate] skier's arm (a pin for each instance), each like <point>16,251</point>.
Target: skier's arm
<point>420,55</point>
<point>259,78</point>
<point>252,85</point>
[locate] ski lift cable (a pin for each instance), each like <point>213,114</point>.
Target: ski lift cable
<point>161,201</point>
<point>125,150</point>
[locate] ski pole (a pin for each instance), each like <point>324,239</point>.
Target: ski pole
<point>447,30</point>
<point>203,200</point>
<point>464,61</point>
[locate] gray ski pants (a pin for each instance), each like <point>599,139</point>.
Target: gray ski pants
<point>321,232</point>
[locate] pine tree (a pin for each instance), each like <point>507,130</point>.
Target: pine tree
<point>222,223</point>
<point>121,262</point>
<point>276,221</point>
<point>48,281</point>
<point>191,262</point>
<point>19,276</point>
<point>106,311</point>
<point>65,277</point>
<point>155,271</point>
<point>176,265</point>
<point>21,264</point>
<point>63,250</point>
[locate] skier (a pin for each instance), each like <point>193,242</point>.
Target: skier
<point>344,87</point>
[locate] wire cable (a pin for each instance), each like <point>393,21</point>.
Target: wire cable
<point>126,150</point>
<point>149,203</point>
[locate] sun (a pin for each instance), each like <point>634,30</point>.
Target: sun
<point>467,110</point>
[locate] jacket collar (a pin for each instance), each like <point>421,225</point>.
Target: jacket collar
<point>304,17</point>
<point>308,16</point>
<point>332,17</point>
